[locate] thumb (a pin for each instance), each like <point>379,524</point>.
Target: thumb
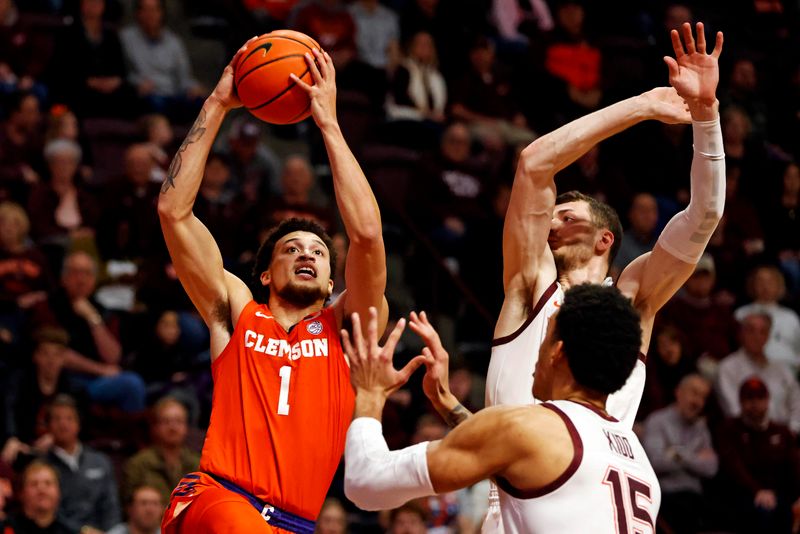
<point>405,373</point>
<point>673,67</point>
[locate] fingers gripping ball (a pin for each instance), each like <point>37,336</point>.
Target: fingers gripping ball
<point>261,76</point>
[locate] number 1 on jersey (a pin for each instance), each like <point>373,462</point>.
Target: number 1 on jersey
<point>627,507</point>
<point>283,398</point>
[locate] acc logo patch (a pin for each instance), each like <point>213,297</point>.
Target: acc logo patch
<point>314,328</point>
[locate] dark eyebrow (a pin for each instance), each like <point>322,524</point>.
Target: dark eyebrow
<point>318,241</point>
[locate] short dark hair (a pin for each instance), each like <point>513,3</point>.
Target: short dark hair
<point>265,251</point>
<point>603,216</point>
<point>62,400</point>
<point>602,335</point>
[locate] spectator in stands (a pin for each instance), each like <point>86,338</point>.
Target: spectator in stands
<point>88,69</point>
<point>766,286</point>
<point>485,99</point>
<point>517,21</point>
<point>61,209</point>
<point>329,22</point>
<point>667,364</point>
<point>301,197</point>
<point>641,235</point>
<point>95,353</point>
<point>750,360</point>
<point>222,209</point>
<point>377,34</point>
<point>28,393</point>
<point>159,137</point>
<point>739,237</point>
<point>129,227</point>
<point>706,321</point>
<point>744,150</point>
<point>39,496</point>
<point>145,508</point>
<point>86,476</point>
<point>255,169</point>
<point>162,465</point>
<point>411,518</point>
<point>572,59</point>
<point>169,366</point>
<point>678,443</point>
<point>759,467</point>
<point>20,147</point>
<point>159,66</point>
<point>742,92</point>
<point>6,491</point>
<point>25,279</point>
<point>782,225</point>
<point>418,90</point>
<point>332,518</point>
<point>23,56</point>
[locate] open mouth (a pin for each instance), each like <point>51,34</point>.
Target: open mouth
<point>306,272</point>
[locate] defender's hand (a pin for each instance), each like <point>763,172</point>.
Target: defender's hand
<point>436,383</point>
<point>371,368</point>
<point>323,92</point>
<point>692,72</point>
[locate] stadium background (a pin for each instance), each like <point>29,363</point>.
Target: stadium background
<point>436,99</point>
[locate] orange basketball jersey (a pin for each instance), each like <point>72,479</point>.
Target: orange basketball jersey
<point>282,405</point>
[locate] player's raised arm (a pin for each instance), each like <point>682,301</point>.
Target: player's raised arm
<point>194,252</point>
<point>653,278</point>
<point>526,254</point>
<point>376,478</point>
<point>365,267</point>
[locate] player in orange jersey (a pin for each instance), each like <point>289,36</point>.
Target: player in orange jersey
<point>282,395</point>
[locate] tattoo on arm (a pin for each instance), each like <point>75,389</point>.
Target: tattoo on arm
<point>197,131</point>
<point>456,416</point>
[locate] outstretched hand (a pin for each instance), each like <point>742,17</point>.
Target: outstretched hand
<point>371,368</point>
<point>436,383</point>
<point>692,72</point>
<point>323,92</point>
<point>225,92</point>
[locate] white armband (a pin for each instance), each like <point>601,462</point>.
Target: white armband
<point>376,478</point>
<point>688,232</point>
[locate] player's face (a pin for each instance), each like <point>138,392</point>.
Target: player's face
<point>300,272</point>
<point>543,373</point>
<point>573,235</point>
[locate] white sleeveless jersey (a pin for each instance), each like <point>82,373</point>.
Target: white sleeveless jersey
<point>610,486</point>
<point>509,379</point>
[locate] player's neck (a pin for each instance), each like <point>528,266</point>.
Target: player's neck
<point>573,392</point>
<point>593,272</point>
<point>288,314</point>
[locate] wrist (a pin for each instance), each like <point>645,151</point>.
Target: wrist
<point>214,104</point>
<point>703,110</point>
<point>94,320</point>
<point>369,403</point>
<point>330,126</point>
<point>445,402</point>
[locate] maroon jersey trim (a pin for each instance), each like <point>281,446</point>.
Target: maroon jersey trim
<point>536,309</point>
<point>577,458</point>
<point>642,357</point>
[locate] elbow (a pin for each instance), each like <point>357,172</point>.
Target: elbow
<point>168,211</point>
<point>367,235</point>
<point>358,491</point>
<point>534,162</point>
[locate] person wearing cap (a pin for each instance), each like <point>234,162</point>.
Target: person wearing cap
<point>678,443</point>
<point>759,467</point>
<point>706,320</point>
<point>751,360</point>
<point>255,169</point>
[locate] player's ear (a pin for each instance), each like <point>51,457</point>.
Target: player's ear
<point>605,241</point>
<point>266,278</point>
<point>330,287</point>
<point>557,355</point>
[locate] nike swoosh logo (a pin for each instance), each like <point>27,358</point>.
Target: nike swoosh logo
<point>259,314</point>
<point>265,47</point>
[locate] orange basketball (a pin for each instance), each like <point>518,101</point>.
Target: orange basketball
<point>262,81</point>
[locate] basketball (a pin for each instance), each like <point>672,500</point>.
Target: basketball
<point>261,76</point>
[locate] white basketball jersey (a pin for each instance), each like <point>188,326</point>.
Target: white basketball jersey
<point>609,487</point>
<point>509,380</point>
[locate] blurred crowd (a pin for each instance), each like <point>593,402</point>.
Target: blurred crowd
<point>104,365</point>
